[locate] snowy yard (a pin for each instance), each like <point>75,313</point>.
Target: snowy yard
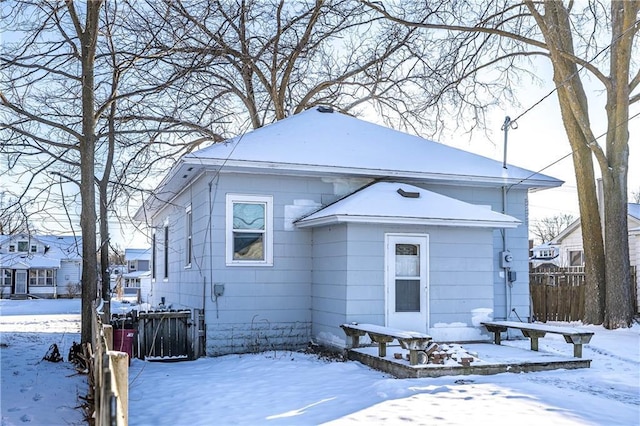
<point>288,388</point>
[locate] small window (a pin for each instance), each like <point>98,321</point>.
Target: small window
<point>12,248</point>
<point>249,230</point>
<point>23,246</point>
<point>576,258</point>
<point>5,277</point>
<point>34,248</point>
<point>189,234</point>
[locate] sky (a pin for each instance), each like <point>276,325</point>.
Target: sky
<point>538,142</point>
<point>292,388</point>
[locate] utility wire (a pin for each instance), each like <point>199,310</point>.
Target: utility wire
<point>566,80</point>
<point>570,153</point>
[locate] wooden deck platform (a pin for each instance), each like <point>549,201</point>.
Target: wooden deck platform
<point>492,359</point>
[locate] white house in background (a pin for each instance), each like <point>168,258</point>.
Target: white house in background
<point>285,233</point>
<point>138,266</point>
<point>545,254</point>
<point>40,265</point>
<point>571,252</point>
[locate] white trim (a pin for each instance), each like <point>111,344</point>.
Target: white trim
<point>329,220</point>
<point>423,241</point>
<point>267,201</point>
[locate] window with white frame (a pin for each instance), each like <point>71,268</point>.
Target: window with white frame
<point>189,236</point>
<point>5,277</point>
<point>40,277</point>
<point>576,258</point>
<point>249,228</point>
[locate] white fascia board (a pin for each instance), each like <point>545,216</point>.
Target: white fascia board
<point>333,219</point>
<point>307,169</point>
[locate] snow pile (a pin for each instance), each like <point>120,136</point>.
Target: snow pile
<point>289,388</point>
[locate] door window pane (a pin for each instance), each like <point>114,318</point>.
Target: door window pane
<point>407,295</point>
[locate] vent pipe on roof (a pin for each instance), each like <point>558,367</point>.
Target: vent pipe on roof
<point>326,109</point>
<point>408,194</point>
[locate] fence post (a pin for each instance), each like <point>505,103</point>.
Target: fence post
<point>120,371</point>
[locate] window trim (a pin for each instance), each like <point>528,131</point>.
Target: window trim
<point>166,251</point>
<point>188,244</point>
<point>267,201</point>
<point>153,256</point>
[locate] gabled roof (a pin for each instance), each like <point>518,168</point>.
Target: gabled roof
<point>633,212</point>
<point>323,143</point>
<point>58,246</point>
<point>398,203</point>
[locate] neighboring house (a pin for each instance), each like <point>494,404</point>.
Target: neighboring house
<point>320,219</point>
<point>138,266</point>
<point>569,241</point>
<point>571,252</point>
<point>40,265</point>
<point>545,254</point>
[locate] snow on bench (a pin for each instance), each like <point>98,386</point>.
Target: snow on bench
<point>534,331</point>
<point>410,340</point>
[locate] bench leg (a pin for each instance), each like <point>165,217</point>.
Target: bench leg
<point>382,349</point>
<point>534,343</point>
<point>496,337</point>
<point>577,350</point>
<point>413,357</point>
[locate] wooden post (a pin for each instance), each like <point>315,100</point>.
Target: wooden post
<point>577,350</point>
<point>108,336</point>
<point>120,384</point>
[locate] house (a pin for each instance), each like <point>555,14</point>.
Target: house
<point>134,277</point>
<point>40,265</point>
<point>570,249</point>
<point>285,233</point>
<point>545,254</point>
<point>138,266</point>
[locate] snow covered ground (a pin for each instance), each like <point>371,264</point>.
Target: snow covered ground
<point>286,388</point>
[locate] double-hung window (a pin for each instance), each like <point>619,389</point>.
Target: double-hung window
<point>166,251</point>
<point>249,228</point>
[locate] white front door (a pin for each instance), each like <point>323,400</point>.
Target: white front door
<point>21,282</point>
<point>406,281</point>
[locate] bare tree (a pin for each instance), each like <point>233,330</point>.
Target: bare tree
<point>548,228</point>
<point>14,218</point>
<point>569,36</point>
<point>256,62</point>
<point>85,102</point>
<point>635,197</point>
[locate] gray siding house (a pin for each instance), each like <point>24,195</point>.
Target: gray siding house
<point>320,219</point>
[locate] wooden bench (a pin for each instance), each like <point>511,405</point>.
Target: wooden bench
<point>534,331</point>
<point>413,341</point>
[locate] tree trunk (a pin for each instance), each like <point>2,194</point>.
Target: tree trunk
<point>556,28</point>
<point>88,38</point>
<point>619,304</point>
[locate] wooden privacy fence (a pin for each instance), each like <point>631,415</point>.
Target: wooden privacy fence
<point>168,335</point>
<point>109,372</point>
<point>557,294</point>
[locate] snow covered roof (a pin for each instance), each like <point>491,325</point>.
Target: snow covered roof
<point>28,261</point>
<point>323,143</point>
<point>56,246</point>
<point>633,209</point>
<point>390,202</point>
<point>137,254</point>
